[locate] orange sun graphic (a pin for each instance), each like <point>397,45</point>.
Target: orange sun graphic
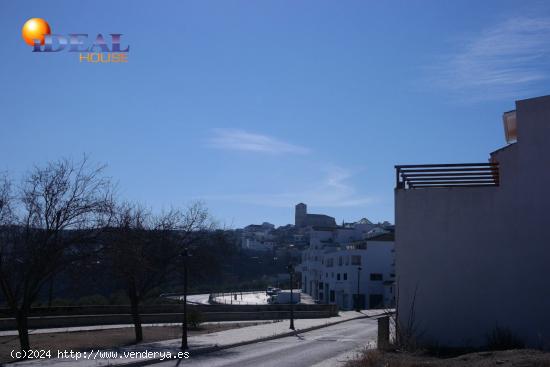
<point>35,29</point>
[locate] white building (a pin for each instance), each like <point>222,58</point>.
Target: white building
<point>258,237</point>
<point>339,260</point>
<point>253,244</point>
<point>473,241</point>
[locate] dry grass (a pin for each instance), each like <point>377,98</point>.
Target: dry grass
<point>101,339</point>
<point>508,358</point>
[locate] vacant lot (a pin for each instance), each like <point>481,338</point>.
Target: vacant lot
<point>103,339</point>
<point>508,358</point>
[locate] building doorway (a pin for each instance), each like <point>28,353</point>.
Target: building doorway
<point>376,301</point>
<point>359,301</point>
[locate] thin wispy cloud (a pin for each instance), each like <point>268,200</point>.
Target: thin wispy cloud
<point>333,190</point>
<point>507,60</point>
<point>231,139</point>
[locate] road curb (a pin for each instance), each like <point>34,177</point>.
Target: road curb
<point>206,350</point>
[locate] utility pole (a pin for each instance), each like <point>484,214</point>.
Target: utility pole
<point>357,308</point>
<point>291,273</point>
<point>185,255</point>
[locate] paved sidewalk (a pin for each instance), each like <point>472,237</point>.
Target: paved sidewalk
<point>201,343</point>
<point>122,326</point>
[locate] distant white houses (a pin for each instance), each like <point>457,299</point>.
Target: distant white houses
<point>265,238</point>
<point>473,240</point>
<point>258,237</point>
<point>351,266</point>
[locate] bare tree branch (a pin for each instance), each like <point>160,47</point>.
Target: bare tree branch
<point>54,219</point>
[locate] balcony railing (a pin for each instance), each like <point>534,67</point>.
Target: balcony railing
<point>446,175</point>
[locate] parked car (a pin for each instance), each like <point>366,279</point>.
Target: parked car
<point>271,291</point>
<point>284,298</point>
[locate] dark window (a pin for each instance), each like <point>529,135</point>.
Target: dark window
<point>331,296</point>
<point>375,276</point>
<point>338,276</point>
<point>345,276</point>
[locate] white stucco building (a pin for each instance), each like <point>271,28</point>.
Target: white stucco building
<point>340,259</point>
<point>258,237</point>
<point>473,241</point>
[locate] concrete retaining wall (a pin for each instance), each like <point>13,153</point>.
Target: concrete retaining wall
<point>111,315</point>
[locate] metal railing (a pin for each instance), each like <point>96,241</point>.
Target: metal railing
<point>446,175</point>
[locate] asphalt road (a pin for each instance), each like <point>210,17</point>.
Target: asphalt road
<point>320,348</point>
<point>200,299</point>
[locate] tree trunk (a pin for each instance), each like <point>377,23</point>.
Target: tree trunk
<point>50,293</point>
<point>134,304</point>
<point>23,329</point>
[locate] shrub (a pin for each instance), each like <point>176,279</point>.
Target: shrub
<point>375,358</point>
<point>94,300</point>
<point>62,302</point>
<point>119,298</point>
<point>503,339</point>
<point>194,319</point>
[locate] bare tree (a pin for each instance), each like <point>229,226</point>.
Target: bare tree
<point>144,248</point>
<point>130,250</point>
<point>6,200</point>
<point>195,221</point>
<point>52,220</point>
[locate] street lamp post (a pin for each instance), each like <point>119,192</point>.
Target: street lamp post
<point>291,273</point>
<point>357,308</point>
<point>185,255</point>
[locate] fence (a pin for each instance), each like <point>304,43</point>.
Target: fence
<point>447,175</point>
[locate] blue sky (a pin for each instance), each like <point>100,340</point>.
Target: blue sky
<point>253,106</point>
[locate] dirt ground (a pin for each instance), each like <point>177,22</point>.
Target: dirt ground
<point>102,339</point>
<point>507,358</point>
